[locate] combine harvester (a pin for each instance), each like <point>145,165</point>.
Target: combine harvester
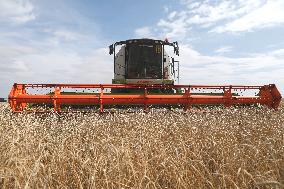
<point>144,74</point>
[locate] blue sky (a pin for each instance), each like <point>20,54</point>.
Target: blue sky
<point>221,42</point>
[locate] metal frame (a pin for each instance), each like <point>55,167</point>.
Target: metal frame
<point>19,98</point>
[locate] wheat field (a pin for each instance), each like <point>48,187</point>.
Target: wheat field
<point>203,148</point>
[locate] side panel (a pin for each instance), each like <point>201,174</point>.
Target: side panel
<point>119,64</point>
<point>167,66</point>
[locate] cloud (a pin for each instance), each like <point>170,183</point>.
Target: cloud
<point>58,36</point>
<point>174,26</point>
<point>97,67</point>
<point>224,49</point>
<point>207,13</point>
<point>278,53</point>
<point>222,16</point>
<point>17,11</point>
<point>268,15</point>
<point>143,32</point>
<point>14,50</point>
<point>67,35</point>
<point>252,69</point>
<point>220,68</point>
<point>55,66</point>
<point>25,64</point>
<point>61,46</point>
<point>166,9</point>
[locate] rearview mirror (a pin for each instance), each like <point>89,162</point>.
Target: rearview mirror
<point>111,49</point>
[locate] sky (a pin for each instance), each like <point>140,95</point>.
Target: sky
<point>66,41</point>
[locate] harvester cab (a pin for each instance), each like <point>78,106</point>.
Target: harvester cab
<point>144,61</point>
